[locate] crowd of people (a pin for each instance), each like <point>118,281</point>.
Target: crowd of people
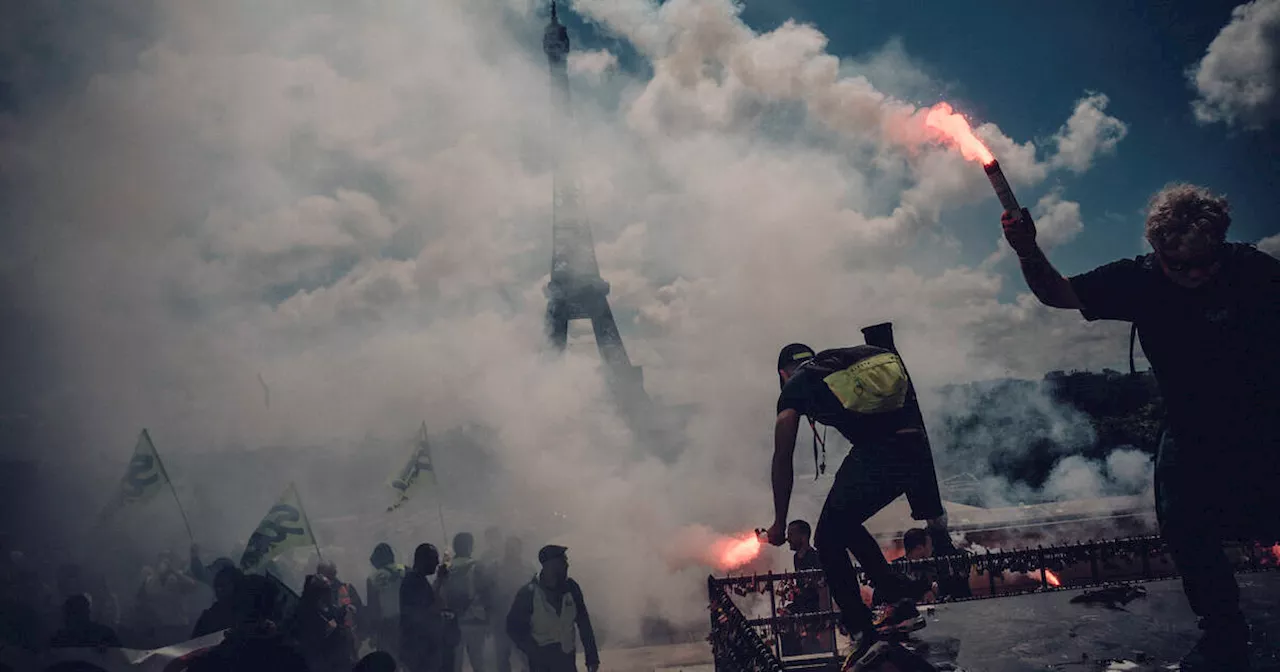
<point>494,612</point>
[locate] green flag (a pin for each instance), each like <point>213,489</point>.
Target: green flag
<point>142,480</point>
<point>419,467</point>
<point>284,527</point>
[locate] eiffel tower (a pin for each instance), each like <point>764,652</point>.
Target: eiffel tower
<point>576,290</point>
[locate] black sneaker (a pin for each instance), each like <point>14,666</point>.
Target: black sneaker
<point>898,618</point>
<point>862,644</point>
<point>1220,649</point>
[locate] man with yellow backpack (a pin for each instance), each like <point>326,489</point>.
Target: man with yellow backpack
<point>864,392</point>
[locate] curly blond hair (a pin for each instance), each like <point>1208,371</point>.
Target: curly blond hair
<point>1187,215</point>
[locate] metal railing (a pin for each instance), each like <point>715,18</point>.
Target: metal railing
<point>741,643</point>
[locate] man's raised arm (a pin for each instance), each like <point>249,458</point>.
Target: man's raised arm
<point>1042,278</point>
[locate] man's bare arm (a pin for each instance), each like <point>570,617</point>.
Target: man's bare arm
<point>1045,281</point>
<point>783,470</point>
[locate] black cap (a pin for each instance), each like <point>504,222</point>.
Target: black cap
<point>550,552</point>
<point>792,354</point>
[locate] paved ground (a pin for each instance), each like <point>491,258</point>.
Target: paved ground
<point>1047,632</point>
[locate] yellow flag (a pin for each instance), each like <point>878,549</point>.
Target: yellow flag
<point>418,467</point>
<point>284,527</point>
<point>145,476</point>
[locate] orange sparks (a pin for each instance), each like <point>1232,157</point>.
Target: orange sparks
<point>1052,578</point>
<point>734,552</point>
<point>954,128</point>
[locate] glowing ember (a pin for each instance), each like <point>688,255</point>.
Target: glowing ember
<point>1052,578</point>
<point>734,552</point>
<point>954,128</point>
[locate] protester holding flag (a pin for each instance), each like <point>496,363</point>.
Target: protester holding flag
<point>219,615</point>
<point>256,641</point>
<point>206,574</point>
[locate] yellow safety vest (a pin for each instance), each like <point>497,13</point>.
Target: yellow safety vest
<point>386,581</point>
<point>547,627</point>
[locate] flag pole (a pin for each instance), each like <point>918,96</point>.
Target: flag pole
<point>444,530</point>
<point>440,510</point>
<point>160,463</point>
<point>307,520</point>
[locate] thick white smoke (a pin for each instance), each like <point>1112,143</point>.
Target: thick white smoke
<point>347,207</point>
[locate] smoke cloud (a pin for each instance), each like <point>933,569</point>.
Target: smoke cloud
<point>347,208</point>
<point>592,63</point>
<point>1057,221</point>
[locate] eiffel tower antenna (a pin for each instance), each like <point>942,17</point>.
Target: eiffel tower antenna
<point>576,290</point>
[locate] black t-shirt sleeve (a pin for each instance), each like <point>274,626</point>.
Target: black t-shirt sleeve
<point>794,395</point>
<point>1111,292</point>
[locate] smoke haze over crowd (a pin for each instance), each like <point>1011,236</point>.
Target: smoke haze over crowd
<point>345,208</point>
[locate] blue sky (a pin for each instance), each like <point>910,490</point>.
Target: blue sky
<point>1022,65</point>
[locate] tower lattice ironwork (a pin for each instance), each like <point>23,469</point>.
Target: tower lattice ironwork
<point>576,290</point>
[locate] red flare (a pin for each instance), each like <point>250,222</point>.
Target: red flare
<point>733,552</point>
<point>954,129</point>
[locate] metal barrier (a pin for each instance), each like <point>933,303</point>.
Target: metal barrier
<point>740,643</point>
<point>735,644</point>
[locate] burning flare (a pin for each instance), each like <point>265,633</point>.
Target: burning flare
<point>733,552</point>
<point>1052,578</point>
<point>954,128</point>
<point>699,545</point>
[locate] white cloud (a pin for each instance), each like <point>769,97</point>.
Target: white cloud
<point>592,64</point>
<point>1238,80</point>
<point>1088,133</point>
<point>1057,221</point>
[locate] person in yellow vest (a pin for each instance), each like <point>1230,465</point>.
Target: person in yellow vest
<point>466,590</point>
<point>383,589</point>
<point>547,616</point>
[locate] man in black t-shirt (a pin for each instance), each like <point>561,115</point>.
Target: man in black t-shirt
<point>808,596</point>
<point>864,392</point>
<point>1208,315</point>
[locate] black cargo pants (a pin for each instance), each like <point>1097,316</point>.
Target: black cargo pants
<point>872,476</point>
